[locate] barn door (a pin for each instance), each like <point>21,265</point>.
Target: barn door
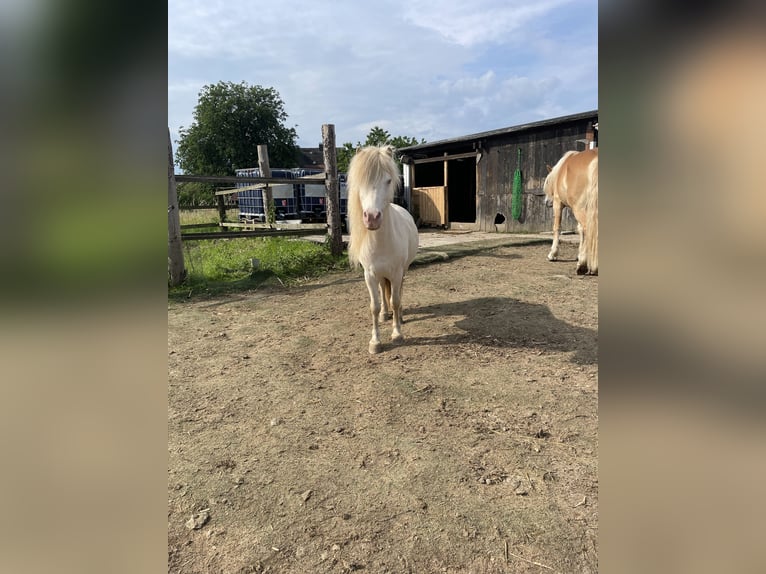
<point>431,203</point>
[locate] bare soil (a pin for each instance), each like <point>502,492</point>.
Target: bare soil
<point>472,447</point>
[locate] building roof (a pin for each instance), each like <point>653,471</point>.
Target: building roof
<point>500,132</point>
<point>311,157</point>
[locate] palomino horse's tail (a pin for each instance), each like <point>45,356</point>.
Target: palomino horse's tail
<point>591,218</point>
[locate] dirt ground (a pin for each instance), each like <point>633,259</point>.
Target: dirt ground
<point>472,447</point>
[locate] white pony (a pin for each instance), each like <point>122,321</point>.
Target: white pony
<point>384,238</point>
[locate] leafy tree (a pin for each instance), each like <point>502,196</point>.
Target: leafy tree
<point>377,136</point>
<point>404,141</point>
<point>193,194</point>
<point>344,156</point>
<point>230,121</point>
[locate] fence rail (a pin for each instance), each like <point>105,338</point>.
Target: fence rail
<point>233,179</point>
<point>176,269</point>
<point>254,233</point>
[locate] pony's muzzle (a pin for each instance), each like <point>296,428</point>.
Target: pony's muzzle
<point>372,218</point>
<point>548,202</point>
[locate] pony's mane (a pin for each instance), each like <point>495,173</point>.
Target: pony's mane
<point>552,177</point>
<point>370,163</point>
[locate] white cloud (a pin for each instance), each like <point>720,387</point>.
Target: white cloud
<point>487,96</point>
<point>185,87</point>
<point>467,85</point>
<point>412,67</point>
<point>478,21</point>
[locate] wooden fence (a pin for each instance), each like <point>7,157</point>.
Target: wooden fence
<point>176,268</point>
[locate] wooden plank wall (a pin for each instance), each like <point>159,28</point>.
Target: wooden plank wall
<point>495,178</point>
<point>429,203</point>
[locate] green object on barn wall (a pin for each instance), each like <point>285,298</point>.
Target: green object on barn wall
<point>516,198</point>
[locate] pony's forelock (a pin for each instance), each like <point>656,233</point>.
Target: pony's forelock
<point>369,164</point>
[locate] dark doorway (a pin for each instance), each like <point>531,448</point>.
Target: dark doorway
<point>429,174</point>
<point>461,190</point>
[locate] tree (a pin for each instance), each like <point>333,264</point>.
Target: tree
<point>345,154</point>
<point>377,136</point>
<point>194,194</point>
<point>230,121</point>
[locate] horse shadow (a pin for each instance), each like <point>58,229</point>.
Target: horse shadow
<point>506,322</point>
<point>454,251</point>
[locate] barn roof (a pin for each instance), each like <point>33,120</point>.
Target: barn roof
<point>311,157</point>
<point>500,132</point>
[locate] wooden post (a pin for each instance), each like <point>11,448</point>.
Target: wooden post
<point>406,183</point>
<point>332,188</point>
<point>268,198</point>
<point>414,197</point>
<point>175,247</point>
<point>446,193</point>
<point>221,208</point>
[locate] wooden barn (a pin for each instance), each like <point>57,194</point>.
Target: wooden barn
<point>467,182</point>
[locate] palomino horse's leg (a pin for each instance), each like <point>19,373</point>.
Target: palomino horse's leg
<point>396,307</point>
<point>374,288</point>
<point>385,293</point>
<point>556,227</point>
<point>582,258</point>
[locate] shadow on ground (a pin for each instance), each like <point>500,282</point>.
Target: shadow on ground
<point>428,255</point>
<point>506,322</point>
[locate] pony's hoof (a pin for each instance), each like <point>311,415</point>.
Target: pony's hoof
<point>582,270</point>
<point>551,257</point>
<point>397,339</point>
<point>375,348</point>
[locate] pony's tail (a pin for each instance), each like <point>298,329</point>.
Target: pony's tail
<point>591,218</point>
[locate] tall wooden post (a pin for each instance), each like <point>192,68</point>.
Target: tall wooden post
<point>446,194</point>
<point>406,174</point>
<point>175,247</point>
<point>268,198</point>
<point>414,196</point>
<point>332,188</point>
<point>221,208</point>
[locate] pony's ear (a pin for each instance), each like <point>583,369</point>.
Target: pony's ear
<point>549,168</point>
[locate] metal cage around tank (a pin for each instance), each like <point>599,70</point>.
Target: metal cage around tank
<point>303,200</point>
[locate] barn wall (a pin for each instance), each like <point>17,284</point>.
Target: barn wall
<point>495,177</point>
<point>492,192</point>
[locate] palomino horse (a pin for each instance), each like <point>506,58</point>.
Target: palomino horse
<point>573,182</point>
<point>384,238</point>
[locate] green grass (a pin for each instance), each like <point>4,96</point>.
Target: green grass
<point>205,216</point>
<point>225,265</point>
<point>198,216</point>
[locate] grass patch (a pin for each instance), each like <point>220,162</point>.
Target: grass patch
<point>209,217</point>
<point>198,216</point>
<point>226,265</point>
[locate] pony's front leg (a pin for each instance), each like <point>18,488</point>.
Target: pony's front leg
<point>373,288</point>
<point>385,293</point>
<point>556,227</point>
<point>396,307</point>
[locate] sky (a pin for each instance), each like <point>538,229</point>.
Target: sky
<point>429,69</point>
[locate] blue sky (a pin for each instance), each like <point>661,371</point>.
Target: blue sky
<point>421,68</point>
